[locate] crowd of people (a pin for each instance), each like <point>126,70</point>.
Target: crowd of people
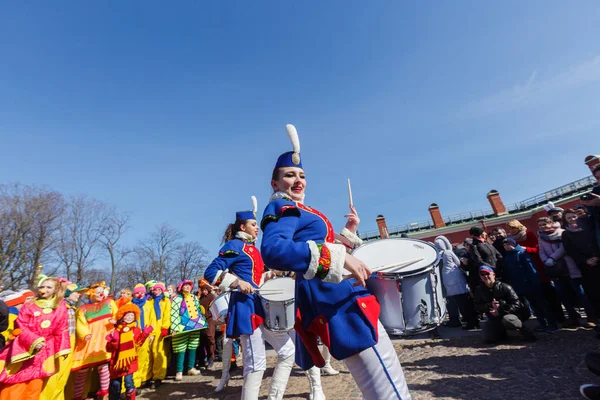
<point>71,342</point>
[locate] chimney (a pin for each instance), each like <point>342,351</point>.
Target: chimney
<point>592,161</point>
<point>496,203</point>
<point>436,216</point>
<point>383,231</point>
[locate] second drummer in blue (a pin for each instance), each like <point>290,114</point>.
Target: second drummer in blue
<point>240,266</point>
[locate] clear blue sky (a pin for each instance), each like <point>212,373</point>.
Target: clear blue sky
<point>175,111</point>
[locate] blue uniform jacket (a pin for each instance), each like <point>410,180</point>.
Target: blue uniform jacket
<point>343,316</point>
<point>243,260</point>
<point>520,272</point>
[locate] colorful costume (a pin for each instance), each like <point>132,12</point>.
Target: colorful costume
<point>160,308</point>
<point>346,317</point>
<point>96,320</point>
<point>54,389</point>
<point>124,342</point>
<point>186,322</point>
<point>23,369</point>
<point>146,318</point>
<point>240,258</point>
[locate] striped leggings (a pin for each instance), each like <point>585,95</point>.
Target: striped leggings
<point>185,341</point>
<point>81,377</point>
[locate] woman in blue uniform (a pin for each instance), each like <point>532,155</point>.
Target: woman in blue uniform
<point>346,317</point>
<point>240,266</point>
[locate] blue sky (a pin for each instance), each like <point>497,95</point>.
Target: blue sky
<point>177,111</point>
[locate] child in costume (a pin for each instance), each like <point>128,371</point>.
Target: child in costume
<point>160,308</point>
<point>124,342</point>
<point>344,315</point>
<point>94,321</point>
<point>56,384</point>
<point>41,336</point>
<point>186,322</point>
<point>240,265</point>
<point>145,319</point>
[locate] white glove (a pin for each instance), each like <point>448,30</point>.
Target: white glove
<point>549,262</point>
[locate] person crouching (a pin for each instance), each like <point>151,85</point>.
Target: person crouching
<point>123,343</point>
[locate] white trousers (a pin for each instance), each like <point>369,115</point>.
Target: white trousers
<point>253,348</point>
<point>377,371</point>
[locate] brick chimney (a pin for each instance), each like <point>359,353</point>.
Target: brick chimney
<point>496,203</point>
<point>383,231</point>
<point>592,161</point>
<point>436,216</point>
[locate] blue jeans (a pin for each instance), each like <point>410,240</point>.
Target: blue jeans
<point>115,386</point>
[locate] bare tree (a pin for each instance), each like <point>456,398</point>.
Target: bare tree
<point>93,275</point>
<point>80,234</point>
<point>115,225</point>
<point>190,261</point>
<point>156,253</point>
<point>29,220</point>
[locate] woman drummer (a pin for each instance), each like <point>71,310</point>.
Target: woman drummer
<point>346,317</point>
<point>239,265</point>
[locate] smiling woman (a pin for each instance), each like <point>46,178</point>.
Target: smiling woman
<point>40,337</point>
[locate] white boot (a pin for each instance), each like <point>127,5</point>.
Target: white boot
<point>314,378</point>
<point>251,387</point>
<point>281,375</point>
<point>327,368</point>
<point>226,356</point>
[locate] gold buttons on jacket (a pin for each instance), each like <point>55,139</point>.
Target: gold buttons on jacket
<point>321,321</point>
<point>37,314</point>
<point>47,311</point>
<point>45,324</point>
<point>363,305</point>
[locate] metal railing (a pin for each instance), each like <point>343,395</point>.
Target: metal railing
<point>570,189</point>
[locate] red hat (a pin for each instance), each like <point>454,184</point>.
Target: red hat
<point>18,298</point>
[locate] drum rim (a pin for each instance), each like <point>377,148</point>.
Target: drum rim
<point>279,301</point>
<point>398,275</point>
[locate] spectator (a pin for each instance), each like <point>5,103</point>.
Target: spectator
<point>500,235</point>
<point>554,213</point>
<point>468,266</point>
<point>525,280</point>
<point>502,306</point>
<point>455,284</point>
<point>529,242</point>
<point>560,268</point>
<point>593,204</point>
<point>482,252</point>
<point>207,336</point>
<point>581,246</point>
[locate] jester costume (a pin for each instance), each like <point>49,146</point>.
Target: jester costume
<point>160,309</point>
<point>239,258</point>
<point>94,321</point>
<point>345,317</point>
<point>186,321</point>
<point>145,319</point>
<point>23,369</point>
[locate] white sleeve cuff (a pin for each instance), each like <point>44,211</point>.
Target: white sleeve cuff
<point>352,237</point>
<point>314,260</point>
<point>217,276</point>
<point>228,279</point>
<point>338,256</point>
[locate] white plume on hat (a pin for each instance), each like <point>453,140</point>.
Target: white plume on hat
<point>293,134</point>
<point>254,205</point>
<point>548,206</point>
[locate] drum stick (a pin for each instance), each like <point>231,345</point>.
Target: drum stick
<point>350,194</point>
<point>389,266</point>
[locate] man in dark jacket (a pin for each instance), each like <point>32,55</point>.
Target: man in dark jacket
<point>483,253</point>
<point>502,306</point>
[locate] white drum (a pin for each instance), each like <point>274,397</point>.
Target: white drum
<point>219,307</point>
<point>278,306</point>
<point>411,297</point>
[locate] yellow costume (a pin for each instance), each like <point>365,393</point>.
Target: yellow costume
<point>159,350</point>
<point>146,319</point>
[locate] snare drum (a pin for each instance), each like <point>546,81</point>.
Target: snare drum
<point>219,307</point>
<point>278,306</point>
<point>410,297</point>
